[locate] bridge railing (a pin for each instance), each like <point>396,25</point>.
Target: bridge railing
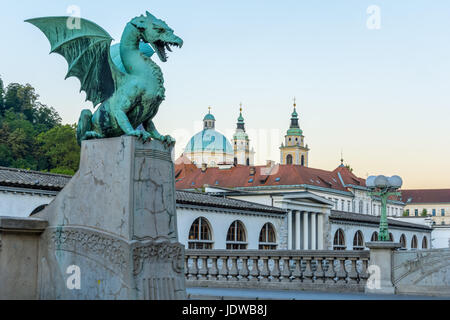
<point>278,269</point>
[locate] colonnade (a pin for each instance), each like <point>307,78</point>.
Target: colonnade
<point>305,230</point>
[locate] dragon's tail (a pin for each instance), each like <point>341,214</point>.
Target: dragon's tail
<point>84,125</point>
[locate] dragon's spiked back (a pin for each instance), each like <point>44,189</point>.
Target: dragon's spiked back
<point>87,52</point>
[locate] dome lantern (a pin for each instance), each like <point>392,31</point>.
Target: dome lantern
<point>209,122</point>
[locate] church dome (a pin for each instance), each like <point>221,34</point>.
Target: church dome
<point>209,140</point>
<point>209,116</point>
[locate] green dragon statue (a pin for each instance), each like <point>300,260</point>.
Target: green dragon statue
<point>122,78</point>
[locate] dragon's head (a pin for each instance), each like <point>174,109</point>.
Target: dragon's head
<point>157,33</point>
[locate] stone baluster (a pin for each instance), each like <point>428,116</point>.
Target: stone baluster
<point>341,274</point>
<point>353,274</point>
<point>203,271</point>
<point>319,273</point>
<point>233,272</point>
<point>308,274</point>
<point>330,274</point>
<point>364,275</point>
<point>286,272</point>
<point>297,272</point>
<point>244,272</point>
<point>186,266</point>
<point>275,273</point>
<point>223,272</point>
<point>264,272</point>
<point>214,270</point>
<point>193,269</point>
<point>254,273</point>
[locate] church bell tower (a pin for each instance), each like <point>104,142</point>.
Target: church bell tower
<point>241,144</point>
<point>293,150</point>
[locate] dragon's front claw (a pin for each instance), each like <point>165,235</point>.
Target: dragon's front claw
<point>144,135</point>
<point>167,140</point>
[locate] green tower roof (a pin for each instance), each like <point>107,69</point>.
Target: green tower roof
<point>294,129</point>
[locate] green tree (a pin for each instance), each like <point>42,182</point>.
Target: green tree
<point>60,149</point>
<point>405,213</point>
<point>22,120</point>
<point>349,168</point>
<point>45,118</point>
<point>424,212</point>
<point>6,158</point>
<point>17,137</point>
<point>20,99</point>
<point>2,95</point>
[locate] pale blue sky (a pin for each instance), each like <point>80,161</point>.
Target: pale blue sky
<point>383,96</point>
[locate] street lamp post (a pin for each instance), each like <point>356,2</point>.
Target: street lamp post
<point>384,187</point>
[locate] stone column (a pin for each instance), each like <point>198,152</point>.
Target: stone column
<point>320,231</point>
<point>380,268</point>
<point>305,231</point>
<point>297,230</point>
<point>289,226</point>
<point>313,231</point>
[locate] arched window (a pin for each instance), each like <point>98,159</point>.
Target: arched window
<point>374,236</point>
<point>339,240</point>
<point>289,159</point>
<point>267,239</point>
<point>424,243</point>
<point>403,241</point>
<point>236,237</point>
<point>303,160</point>
<point>391,237</point>
<point>414,242</point>
<point>358,241</point>
<point>200,235</point>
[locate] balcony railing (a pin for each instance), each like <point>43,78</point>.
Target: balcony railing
<point>278,269</point>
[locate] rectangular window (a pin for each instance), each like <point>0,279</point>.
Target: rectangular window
<point>342,204</point>
<point>443,212</point>
<point>407,212</point>
<point>416,212</point>
<point>434,212</point>
<point>348,206</point>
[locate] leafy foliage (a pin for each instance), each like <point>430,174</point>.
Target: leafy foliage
<point>31,134</point>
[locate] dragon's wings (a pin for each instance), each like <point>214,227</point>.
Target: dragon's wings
<point>87,51</point>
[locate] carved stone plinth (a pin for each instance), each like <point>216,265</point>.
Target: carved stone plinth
<point>116,222</point>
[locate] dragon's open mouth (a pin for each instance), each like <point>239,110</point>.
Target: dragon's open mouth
<point>161,46</point>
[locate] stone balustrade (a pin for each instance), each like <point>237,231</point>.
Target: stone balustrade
<point>340,271</point>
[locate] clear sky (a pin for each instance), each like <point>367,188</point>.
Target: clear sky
<point>380,95</point>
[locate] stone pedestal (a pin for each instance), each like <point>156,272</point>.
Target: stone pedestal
<point>113,227</point>
<point>19,238</point>
<point>380,267</point>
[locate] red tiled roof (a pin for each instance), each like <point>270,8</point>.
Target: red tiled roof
<point>426,196</point>
<point>348,177</point>
<point>188,176</point>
